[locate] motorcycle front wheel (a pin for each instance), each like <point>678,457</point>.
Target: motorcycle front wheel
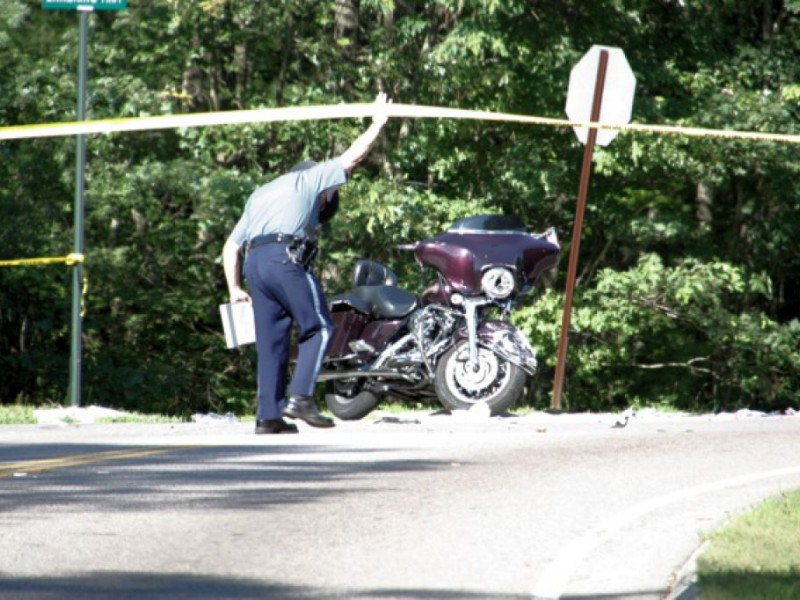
<point>493,380</point>
<point>349,401</point>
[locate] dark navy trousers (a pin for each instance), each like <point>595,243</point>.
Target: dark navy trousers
<point>284,293</point>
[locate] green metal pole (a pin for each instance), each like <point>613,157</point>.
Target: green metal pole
<point>77,270</point>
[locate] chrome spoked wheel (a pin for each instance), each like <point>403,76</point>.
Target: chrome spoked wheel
<point>492,379</point>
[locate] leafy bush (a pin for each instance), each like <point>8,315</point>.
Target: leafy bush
<point>667,335</point>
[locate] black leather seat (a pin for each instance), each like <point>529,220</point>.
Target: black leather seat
<point>369,272</point>
<point>375,292</point>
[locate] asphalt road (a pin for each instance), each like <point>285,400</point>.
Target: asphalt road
<point>428,507</point>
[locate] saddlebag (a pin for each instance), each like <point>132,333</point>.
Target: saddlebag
<point>348,326</point>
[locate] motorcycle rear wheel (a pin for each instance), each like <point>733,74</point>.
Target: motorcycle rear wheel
<point>496,381</point>
<point>347,403</point>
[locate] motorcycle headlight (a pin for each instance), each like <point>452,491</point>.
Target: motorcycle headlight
<point>498,283</point>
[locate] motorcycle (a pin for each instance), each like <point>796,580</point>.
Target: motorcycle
<point>444,344</point>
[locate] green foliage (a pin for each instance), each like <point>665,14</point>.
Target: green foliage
<point>17,414</point>
<point>666,335</point>
<point>689,262</point>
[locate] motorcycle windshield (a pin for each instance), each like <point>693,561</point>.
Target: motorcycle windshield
<point>482,223</point>
<point>464,252</point>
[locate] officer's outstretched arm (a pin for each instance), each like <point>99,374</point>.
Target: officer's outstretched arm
<point>231,260</point>
<point>359,149</point>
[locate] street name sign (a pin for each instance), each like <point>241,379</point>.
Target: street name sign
<point>88,5</point>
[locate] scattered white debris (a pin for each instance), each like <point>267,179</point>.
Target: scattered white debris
<point>623,418</point>
<point>75,415</point>
<point>398,420</point>
<point>214,418</point>
<point>648,413</point>
<point>746,412</point>
<point>480,411</point>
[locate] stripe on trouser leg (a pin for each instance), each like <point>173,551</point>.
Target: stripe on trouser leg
<point>324,330</point>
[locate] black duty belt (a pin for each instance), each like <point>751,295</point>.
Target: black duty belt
<point>271,238</point>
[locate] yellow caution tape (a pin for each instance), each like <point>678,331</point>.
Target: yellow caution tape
<point>84,292</point>
<point>342,111</point>
<point>72,259</point>
<point>335,111</point>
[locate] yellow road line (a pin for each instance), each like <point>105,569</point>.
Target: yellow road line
<point>63,462</point>
<point>342,111</point>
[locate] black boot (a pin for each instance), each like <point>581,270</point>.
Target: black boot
<point>275,426</point>
<point>302,407</point>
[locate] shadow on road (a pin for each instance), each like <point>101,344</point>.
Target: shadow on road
<point>164,586</point>
<point>213,477</point>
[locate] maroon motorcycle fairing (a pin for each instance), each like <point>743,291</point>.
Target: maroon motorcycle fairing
<point>463,257</point>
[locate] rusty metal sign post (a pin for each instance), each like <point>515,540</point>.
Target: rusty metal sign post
<point>610,103</point>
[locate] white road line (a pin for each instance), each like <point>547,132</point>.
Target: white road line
<point>553,582</point>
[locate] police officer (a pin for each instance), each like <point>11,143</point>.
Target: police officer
<point>277,232</point>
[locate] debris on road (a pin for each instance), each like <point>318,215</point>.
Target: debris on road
<point>623,418</point>
<point>480,411</point>
<point>398,420</point>
<point>75,415</point>
<point>214,418</point>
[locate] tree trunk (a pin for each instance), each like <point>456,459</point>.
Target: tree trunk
<point>241,65</point>
<point>286,55</point>
<point>704,200</point>
<point>766,20</point>
<point>346,25</point>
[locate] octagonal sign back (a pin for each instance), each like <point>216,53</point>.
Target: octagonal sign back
<point>618,91</point>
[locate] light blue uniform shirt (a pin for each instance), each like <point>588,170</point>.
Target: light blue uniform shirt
<point>289,203</point>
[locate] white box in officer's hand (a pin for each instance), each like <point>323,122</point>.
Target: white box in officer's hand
<point>238,323</point>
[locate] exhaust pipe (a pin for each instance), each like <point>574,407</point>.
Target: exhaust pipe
<point>356,373</point>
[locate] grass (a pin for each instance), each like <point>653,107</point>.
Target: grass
<point>17,414</point>
<point>757,556</point>
<point>23,414</point>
